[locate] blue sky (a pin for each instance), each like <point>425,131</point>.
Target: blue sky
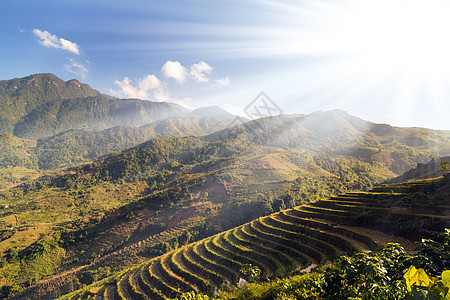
<point>384,61</point>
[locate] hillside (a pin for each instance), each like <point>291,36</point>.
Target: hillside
<point>123,181</point>
<point>80,145</point>
<point>75,146</point>
<point>18,162</point>
<point>15,152</point>
<point>293,239</point>
<point>128,207</point>
<point>422,171</point>
<point>21,96</point>
<point>93,113</point>
<point>226,179</point>
<point>338,134</point>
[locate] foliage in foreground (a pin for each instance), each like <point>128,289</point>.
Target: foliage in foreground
<point>389,274</point>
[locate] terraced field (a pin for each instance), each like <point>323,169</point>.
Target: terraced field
<point>290,240</point>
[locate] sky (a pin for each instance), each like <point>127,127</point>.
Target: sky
<point>385,61</point>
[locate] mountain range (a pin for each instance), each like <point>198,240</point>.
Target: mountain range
<point>91,185</point>
<point>43,105</point>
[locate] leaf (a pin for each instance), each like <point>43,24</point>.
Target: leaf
<point>446,278</point>
<point>446,282</point>
<point>416,277</point>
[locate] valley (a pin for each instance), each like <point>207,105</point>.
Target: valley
<point>126,198</point>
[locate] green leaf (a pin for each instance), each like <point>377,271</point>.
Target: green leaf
<point>446,278</point>
<point>416,277</point>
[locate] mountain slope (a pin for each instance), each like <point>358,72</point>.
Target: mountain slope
<point>18,161</point>
<point>431,169</point>
<point>338,134</point>
<point>22,95</point>
<point>142,202</point>
<point>76,145</point>
<point>41,105</point>
<point>93,113</point>
<point>280,243</point>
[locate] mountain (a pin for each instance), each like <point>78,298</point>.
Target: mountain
<point>278,244</point>
<point>337,134</point>
<point>42,105</point>
<point>124,180</point>
<point>76,145</point>
<point>431,169</point>
<point>93,113</point>
<point>212,111</point>
<point>92,220</point>
<point>20,96</point>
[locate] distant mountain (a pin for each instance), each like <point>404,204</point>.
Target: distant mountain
<point>335,133</point>
<point>42,105</point>
<point>20,96</point>
<point>93,113</point>
<point>212,111</point>
<point>431,169</point>
<point>78,145</point>
<point>331,145</point>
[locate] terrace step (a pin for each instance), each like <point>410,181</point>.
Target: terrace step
<point>283,260</point>
<point>256,237</point>
<point>155,278</point>
<point>195,282</point>
<point>368,242</point>
<point>296,243</point>
<point>202,271</point>
<point>328,249</point>
<point>151,291</point>
<point>210,262</point>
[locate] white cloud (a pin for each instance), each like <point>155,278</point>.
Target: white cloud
<point>199,71</point>
<point>152,88</point>
<point>222,82</point>
<point>149,83</point>
<point>185,102</point>
<point>175,70</point>
<point>128,90</point>
<point>77,68</point>
<point>147,88</point>
<point>50,40</point>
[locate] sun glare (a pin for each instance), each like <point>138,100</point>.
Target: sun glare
<point>394,50</point>
<point>407,38</point>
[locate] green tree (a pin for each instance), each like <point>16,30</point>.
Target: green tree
<point>250,272</point>
<point>445,167</point>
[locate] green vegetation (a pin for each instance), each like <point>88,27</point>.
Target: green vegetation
<point>436,167</point>
<point>23,95</point>
<point>389,274</point>
<point>189,206</point>
<point>76,146</point>
<point>445,167</point>
<point>108,211</point>
<point>304,238</point>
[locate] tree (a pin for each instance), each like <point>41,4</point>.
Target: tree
<point>250,272</point>
<point>445,167</point>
